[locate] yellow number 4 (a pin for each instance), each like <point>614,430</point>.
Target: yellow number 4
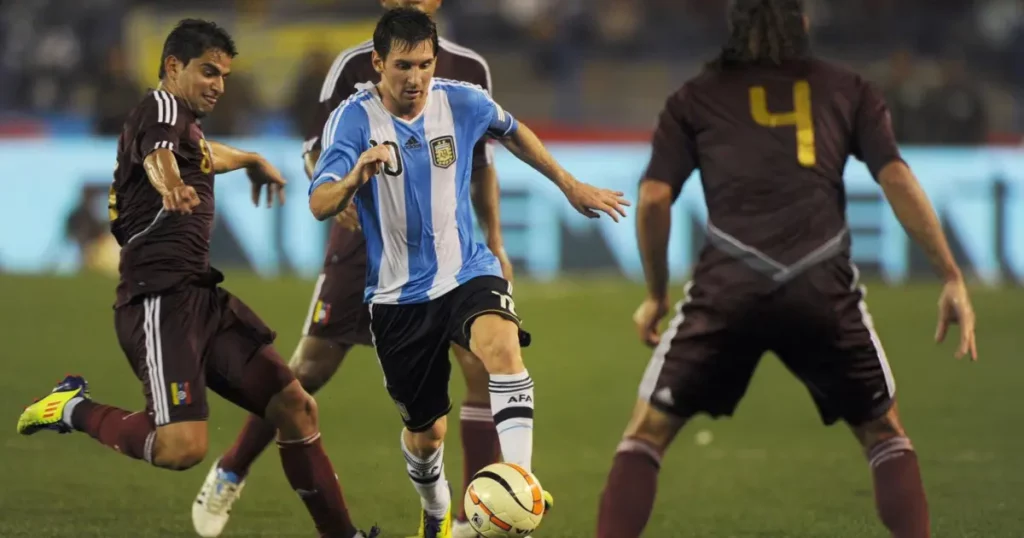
<point>800,117</point>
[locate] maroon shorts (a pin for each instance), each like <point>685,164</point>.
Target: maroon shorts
<point>183,342</point>
<point>817,324</point>
<point>337,312</point>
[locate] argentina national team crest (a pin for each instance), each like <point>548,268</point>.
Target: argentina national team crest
<point>442,151</point>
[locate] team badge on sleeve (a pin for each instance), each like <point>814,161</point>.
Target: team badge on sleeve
<point>442,151</point>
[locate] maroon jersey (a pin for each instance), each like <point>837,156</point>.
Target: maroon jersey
<point>161,250</point>
<point>352,71</point>
<point>771,144</point>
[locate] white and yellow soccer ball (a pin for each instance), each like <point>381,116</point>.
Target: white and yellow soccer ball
<point>504,501</point>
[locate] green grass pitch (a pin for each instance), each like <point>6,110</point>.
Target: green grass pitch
<point>771,471</point>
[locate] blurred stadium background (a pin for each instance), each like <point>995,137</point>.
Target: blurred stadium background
<point>590,76</point>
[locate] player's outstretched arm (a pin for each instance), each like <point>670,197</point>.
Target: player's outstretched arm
<point>653,224</point>
<point>914,211</point>
<point>331,193</point>
<point>260,171</point>
<point>163,173</point>
<point>587,199</point>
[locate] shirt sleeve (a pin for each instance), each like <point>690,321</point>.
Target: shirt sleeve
<point>344,139</point>
<point>483,153</point>
<point>674,146</point>
<point>159,124</point>
<point>874,141</point>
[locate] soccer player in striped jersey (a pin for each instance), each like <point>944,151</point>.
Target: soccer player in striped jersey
<point>338,320</point>
<point>181,332</point>
<point>398,150</point>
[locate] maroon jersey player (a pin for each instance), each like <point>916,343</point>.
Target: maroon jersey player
<point>337,318</point>
<point>770,128</point>
<point>181,332</point>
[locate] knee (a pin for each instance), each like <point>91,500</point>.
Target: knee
<point>293,406</point>
<point>878,431</point>
<point>653,427</point>
<point>429,441</point>
<point>315,361</point>
<point>499,352</point>
<point>178,452</point>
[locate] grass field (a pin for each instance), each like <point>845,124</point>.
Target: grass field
<point>772,471</point>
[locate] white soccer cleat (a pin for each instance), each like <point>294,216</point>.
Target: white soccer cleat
<point>212,509</point>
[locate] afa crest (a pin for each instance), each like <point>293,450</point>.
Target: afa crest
<point>442,151</point>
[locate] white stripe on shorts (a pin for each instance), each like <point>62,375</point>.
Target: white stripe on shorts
<point>155,360</point>
<point>312,303</point>
<point>653,372</point>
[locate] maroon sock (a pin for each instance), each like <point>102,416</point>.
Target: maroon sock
<point>255,437</point>
<point>480,445</point>
<point>131,434</point>
<point>311,475</point>
<point>899,493</point>
<point>628,497</point>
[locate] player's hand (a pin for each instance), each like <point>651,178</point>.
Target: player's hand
<point>263,173</point>
<point>588,200</point>
<point>181,199</point>
<point>648,317</point>
<point>506,264</point>
<point>371,162</point>
<point>349,218</point>
<point>955,308</point>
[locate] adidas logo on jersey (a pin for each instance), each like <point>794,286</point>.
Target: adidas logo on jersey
<point>412,143</point>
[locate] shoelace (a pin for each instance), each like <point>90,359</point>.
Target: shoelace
<point>222,495</point>
<point>432,528</point>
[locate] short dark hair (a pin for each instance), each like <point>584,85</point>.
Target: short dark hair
<point>764,32</point>
<point>406,26</point>
<point>191,38</point>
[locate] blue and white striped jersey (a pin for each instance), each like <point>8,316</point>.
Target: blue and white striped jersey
<point>416,214</point>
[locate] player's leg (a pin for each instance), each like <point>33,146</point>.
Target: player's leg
<point>314,362</point>
<point>628,497</point>
<point>701,366</point>
<point>899,491</point>
<point>244,368</point>
<point>485,322</point>
<point>336,321</point>
<point>849,378</point>
<point>159,337</point>
<point>480,445</point>
<point>412,348</point>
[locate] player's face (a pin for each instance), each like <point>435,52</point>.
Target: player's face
<point>201,81</point>
<point>427,6</point>
<point>406,72</point>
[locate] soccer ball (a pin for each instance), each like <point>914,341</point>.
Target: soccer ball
<point>504,501</point>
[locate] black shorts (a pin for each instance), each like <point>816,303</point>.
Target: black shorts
<point>817,324</point>
<point>412,344</point>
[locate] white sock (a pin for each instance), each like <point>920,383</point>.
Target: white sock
<point>69,408</point>
<point>512,405</point>
<point>427,477</point>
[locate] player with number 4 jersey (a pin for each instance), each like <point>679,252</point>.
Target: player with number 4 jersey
<point>770,128</point>
<point>400,151</point>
